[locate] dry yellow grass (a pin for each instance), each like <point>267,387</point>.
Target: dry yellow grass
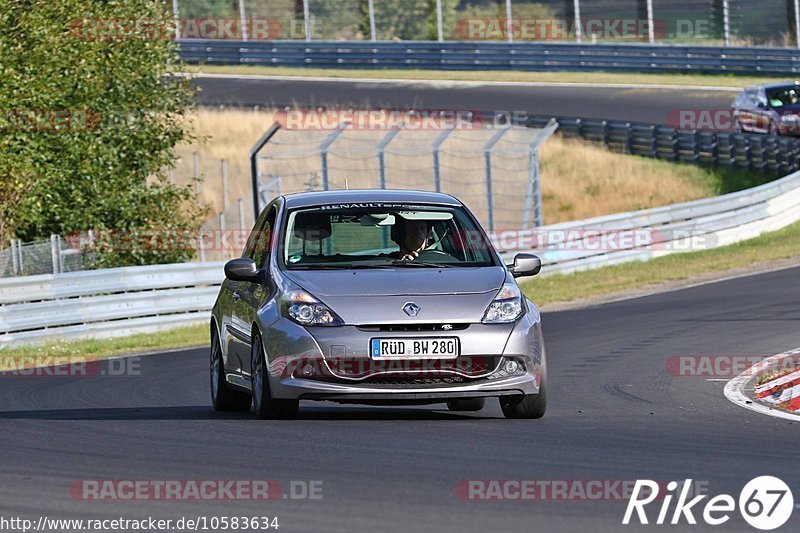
<point>579,180</point>
<point>642,78</point>
<point>222,135</point>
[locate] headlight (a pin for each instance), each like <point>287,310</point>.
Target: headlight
<point>506,306</point>
<point>306,310</point>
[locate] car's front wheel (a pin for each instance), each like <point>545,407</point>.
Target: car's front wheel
<point>223,397</point>
<point>527,405</point>
<point>265,406</point>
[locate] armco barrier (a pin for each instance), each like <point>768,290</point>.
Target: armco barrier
<point>461,55</point>
<point>107,303</point>
<point>714,221</point>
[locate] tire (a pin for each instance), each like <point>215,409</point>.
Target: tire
<point>526,405</point>
<point>223,397</point>
<point>265,406</point>
<point>466,404</point>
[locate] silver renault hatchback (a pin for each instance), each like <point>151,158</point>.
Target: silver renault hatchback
<point>375,297</point>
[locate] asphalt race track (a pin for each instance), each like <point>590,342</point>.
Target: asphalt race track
<point>658,106</point>
<point>615,414</point>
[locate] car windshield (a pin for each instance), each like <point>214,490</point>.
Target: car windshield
<point>783,96</point>
<point>384,236</point>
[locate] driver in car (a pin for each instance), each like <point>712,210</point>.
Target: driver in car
<point>412,237</point>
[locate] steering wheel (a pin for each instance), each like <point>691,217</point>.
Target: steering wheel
<point>437,254</point>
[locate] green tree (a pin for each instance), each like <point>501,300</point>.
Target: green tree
<point>208,9</point>
<point>406,20</point>
<point>338,19</point>
<point>88,123</point>
<point>492,10</point>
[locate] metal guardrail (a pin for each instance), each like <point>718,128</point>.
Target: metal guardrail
<point>766,153</point>
<point>700,224</point>
<point>466,55</point>
<point>115,302</point>
<point>106,303</point>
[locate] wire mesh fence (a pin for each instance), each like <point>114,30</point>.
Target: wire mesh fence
<point>495,171</point>
<point>698,22</point>
<point>52,256</point>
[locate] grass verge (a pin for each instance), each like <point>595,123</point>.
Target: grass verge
<point>781,244</point>
<point>773,375</point>
<point>713,80</point>
<point>90,350</point>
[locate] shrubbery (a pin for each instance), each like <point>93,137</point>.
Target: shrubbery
<point>88,124</point>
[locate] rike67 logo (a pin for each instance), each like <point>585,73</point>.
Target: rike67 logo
<point>765,503</point>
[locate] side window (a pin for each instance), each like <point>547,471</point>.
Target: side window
<point>250,246</point>
<point>762,97</point>
<point>258,244</point>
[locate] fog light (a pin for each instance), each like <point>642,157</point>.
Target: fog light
<point>511,367</point>
<point>308,370</point>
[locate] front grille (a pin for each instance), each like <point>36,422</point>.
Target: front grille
<point>446,327</point>
<point>413,382</point>
<point>366,370</point>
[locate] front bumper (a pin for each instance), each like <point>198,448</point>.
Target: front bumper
<point>303,389</point>
<point>334,364</point>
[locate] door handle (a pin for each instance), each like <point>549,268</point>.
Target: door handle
<point>236,297</point>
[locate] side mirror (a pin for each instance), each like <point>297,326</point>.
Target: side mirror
<point>762,105</point>
<point>242,269</point>
<point>525,265</point>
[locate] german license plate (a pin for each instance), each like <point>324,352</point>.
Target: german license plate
<point>428,347</point>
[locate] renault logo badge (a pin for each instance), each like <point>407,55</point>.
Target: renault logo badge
<point>411,309</point>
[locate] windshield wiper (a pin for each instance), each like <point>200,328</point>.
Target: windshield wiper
<point>414,263</point>
<point>338,266</point>
<point>368,264</point>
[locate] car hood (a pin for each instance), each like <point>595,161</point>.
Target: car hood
<point>367,297</point>
<point>399,281</point>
